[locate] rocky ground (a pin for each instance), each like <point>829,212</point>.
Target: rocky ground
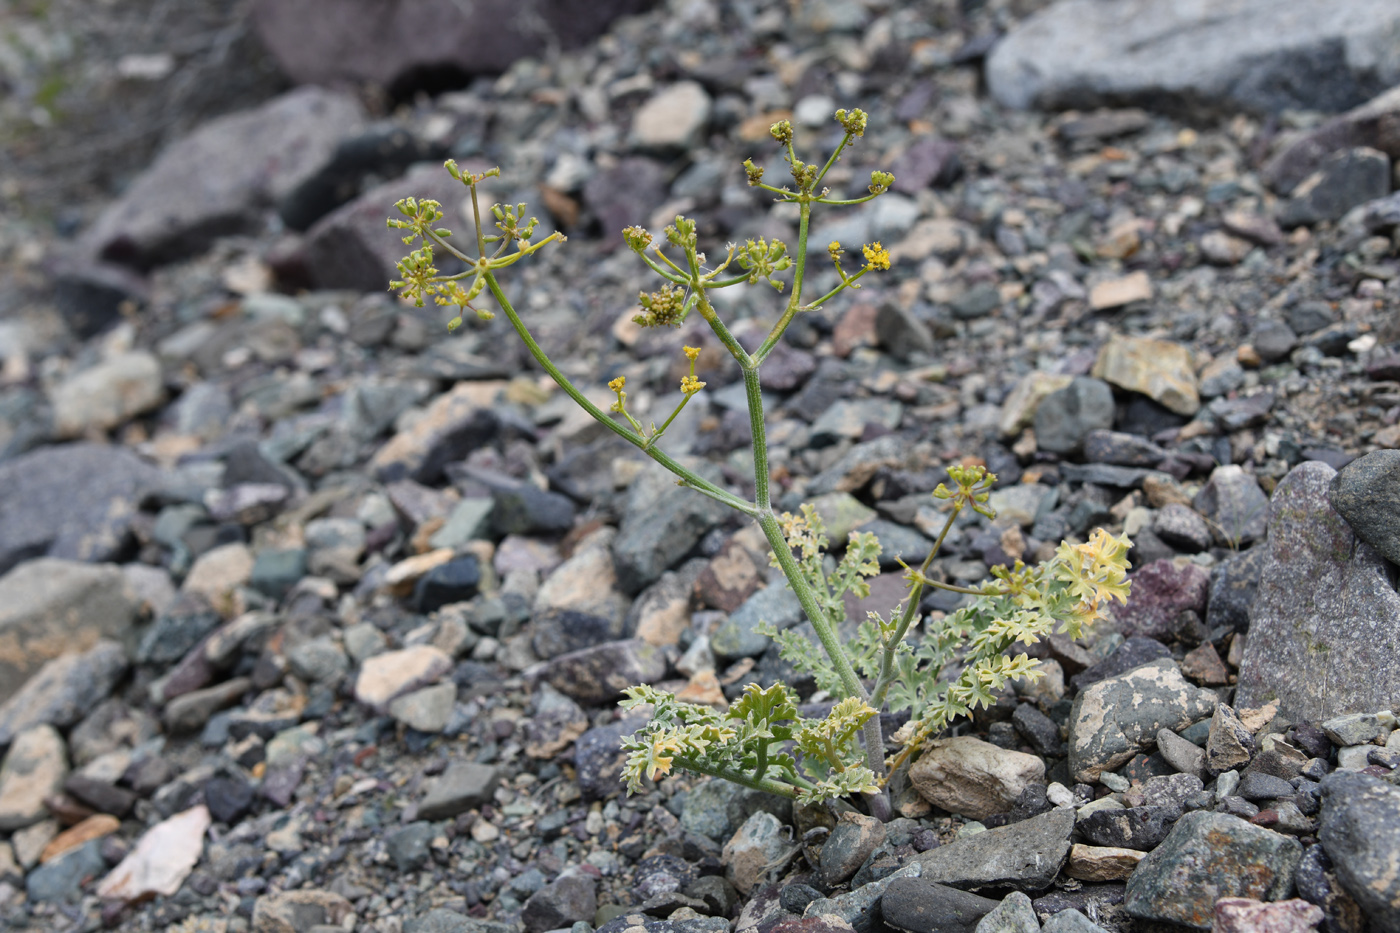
<point>313,617</point>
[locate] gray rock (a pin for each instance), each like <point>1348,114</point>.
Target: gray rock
<point>1135,651</point>
<point>442,920</point>
<point>598,674</point>
<point>1180,526</point>
<point>1256,55</point>
<point>735,638</point>
<point>1343,181</point>
<point>64,690</point>
<point>1121,449</point>
<point>299,911</point>
<point>1360,831</point>
<point>1027,855</point>
<point>754,850</point>
<point>1307,317</point>
<point>1273,340</point>
<point>76,501</point>
<point>1325,626</point>
<point>1371,124</point>
<point>900,333</point>
<point>599,758</point>
<point>395,48</point>
<point>1235,506</point>
<point>1064,418</point>
<point>848,419</point>
<point>220,179</point>
<point>1206,857</point>
<point>1233,585</point>
<point>1183,755</point>
<point>427,710</point>
<point>1114,719</point>
<point>408,845</point>
<point>1141,828</point>
<point>849,845</point>
<point>662,523</point>
<point>716,808</point>
<point>568,899</point>
<point>1070,921</point>
<point>49,606</point>
<point>62,879</point>
<point>1256,786</point>
<point>1366,492</point>
<point>919,905</point>
<point>1358,728</point>
<point>464,785</point>
<point>1013,915</point>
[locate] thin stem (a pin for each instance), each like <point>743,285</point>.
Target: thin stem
<point>731,344</point>
<point>754,394</point>
<point>795,299</point>
<point>781,788</point>
<point>835,155</point>
<point>845,203</point>
<point>689,476</point>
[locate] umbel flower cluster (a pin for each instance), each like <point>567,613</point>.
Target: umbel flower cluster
<point>938,668</point>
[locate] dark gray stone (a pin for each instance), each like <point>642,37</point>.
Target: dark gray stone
<point>900,333</point>
<point>735,638</point>
<point>1261,56</point>
<point>1235,506</point>
<point>599,674</point>
<point>663,522</point>
<point>1344,180</point>
<point>1070,921</point>
<point>599,758</point>
<point>442,920</point>
<point>1256,786</point>
<point>1040,731</point>
<point>568,899</point>
<point>855,837</point>
<point>1141,828</point>
<point>1135,651</point>
<point>1206,857</point>
<point>75,501</point>
<point>1366,492</point>
<point>453,582</point>
<point>229,798</point>
<point>1273,340</point>
<point>1325,626</point>
<point>408,845</point>
<point>560,631</point>
<point>918,905</point>
<point>220,179</point>
<point>1233,585</point>
<point>1361,833</point>
<point>464,785</point>
<point>1063,419</point>
<point>1013,915</point>
<point>64,690</point>
<point>1121,449</point>
<point>1306,317</point>
<point>1026,855</point>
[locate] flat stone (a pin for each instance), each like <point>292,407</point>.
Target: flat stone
<point>661,524</point>
<point>63,878</point>
<point>855,837</point>
<point>1027,855</point>
<point>428,709</point>
<point>1242,55</point>
<point>107,395</point>
<point>918,905</point>
<point>1160,369</point>
<point>464,785</point>
<point>1209,856</point>
<point>161,861</point>
<point>1366,492</point>
<point>1360,831</point>
<point>1183,755</point>
<point>1013,915</point>
<point>1359,728</point>
<point>33,770</point>
<point>190,711</point>
<point>1234,505</point>
<point>1325,626</point>
<point>1160,592</point>
<point>1372,124</point>
<point>1344,180</point>
<point>1247,915</point>
<point>454,424</point>
<point>975,778</point>
<point>1102,863</point>
<point>1114,719</point>
<point>672,118</point>
<point>1231,744</point>
<point>1115,293</point>
<point>753,851</point>
<point>385,677</point>
<point>586,582</point>
<point>64,690</point>
<point>571,898</point>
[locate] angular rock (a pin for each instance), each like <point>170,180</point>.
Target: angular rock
<point>598,674</point>
<point>1065,417</point>
<point>1234,505</point>
<point>62,879</point>
<point>1018,409</point>
<point>599,758</point>
<point>918,905</point>
<point>1360,831</point>
<point>754,850</point>
<point>387,676</point>
<point>1027,855</point>
<point>33,771</point>
<point>1160,592</point>
<point>453,425</point>
<point>849,845</point>
<point>568,899</point>
<point>1252,55</point>
<point>64,690</point>
<point>586,582</point>
<point>662,523</point>
<point>1179,526</point>
<point>1344,180</point>
<point>1013,915</point>
<point>1138,828</point>
<point>219,180</point>
<point>1247,915</point>
<point>1209,856</point>
<point>1160,369</point>
<point>161,861</point>
<point>107,395</point>
<point>1114,719</point>
<point>1325,626</point>
<point>1374,124</point>
<point>464,785</point>
<point>1102,863</point>
<point>75,501</point>
<point>975,778</point>
<point>1233,585</point>
<point>672,119</point>
<point>1366,492</point>
<point>428,709</point>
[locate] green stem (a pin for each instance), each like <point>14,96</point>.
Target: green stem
<point>781,788</point>
<point>689,476</point>
<point>795,299</point>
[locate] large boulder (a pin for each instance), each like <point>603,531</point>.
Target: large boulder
<point>1263,56</point>
<point>223,177</point>
<point>1324,635</point>
<point>409,44</point>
